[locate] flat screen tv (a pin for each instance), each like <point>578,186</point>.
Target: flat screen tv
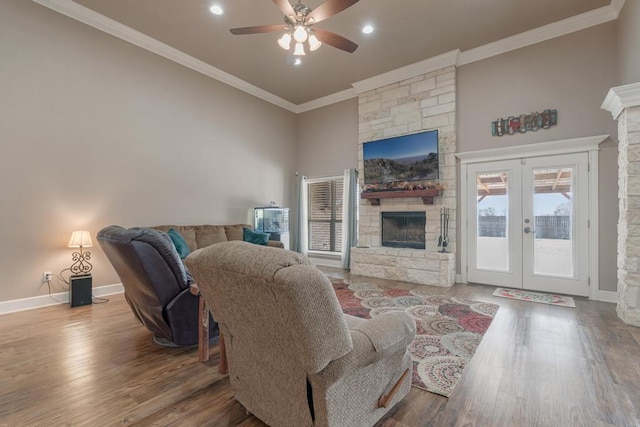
<point>402,158</point>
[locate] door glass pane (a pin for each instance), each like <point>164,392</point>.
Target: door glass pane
<point>553,203</point>
<point>492,209</point>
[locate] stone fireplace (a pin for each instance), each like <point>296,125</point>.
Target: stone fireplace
<point>403,229</point>
<point>420,103</point>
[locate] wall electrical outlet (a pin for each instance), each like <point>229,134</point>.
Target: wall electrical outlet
<point>47,276</point>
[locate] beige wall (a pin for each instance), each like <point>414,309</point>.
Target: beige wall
<point>96,131</point>
<point>328,139</point>
<point>572,74</point>
<point>628,39</point>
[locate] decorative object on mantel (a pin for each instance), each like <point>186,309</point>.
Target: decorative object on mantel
<point>427,190</point>
<point>404,186</point>
<point>443,240</point>
<point>524,122</point>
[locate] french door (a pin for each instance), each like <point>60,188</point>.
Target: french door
<point>528,224</point>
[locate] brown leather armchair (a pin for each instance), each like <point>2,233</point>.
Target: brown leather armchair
<point>156,283</point>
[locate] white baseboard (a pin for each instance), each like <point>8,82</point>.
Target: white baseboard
<point>60,298</point>
<point>325,262</point>
<point>608,296</point>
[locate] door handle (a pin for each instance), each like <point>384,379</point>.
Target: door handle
<point>528,230</point>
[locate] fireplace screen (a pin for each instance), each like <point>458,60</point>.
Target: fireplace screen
<point>404,229</point>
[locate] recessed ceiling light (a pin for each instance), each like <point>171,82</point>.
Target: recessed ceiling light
<point>216,10</point>
<point>367,29</point>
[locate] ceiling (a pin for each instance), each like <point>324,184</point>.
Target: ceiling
<point>406,32</point>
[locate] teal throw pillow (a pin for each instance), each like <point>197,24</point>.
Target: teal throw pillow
<point>178,241</point>
<point>254,237</point>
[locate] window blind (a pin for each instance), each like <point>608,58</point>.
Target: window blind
<point>324,212</point>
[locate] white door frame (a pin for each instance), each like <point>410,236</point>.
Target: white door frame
<point>589,144</point>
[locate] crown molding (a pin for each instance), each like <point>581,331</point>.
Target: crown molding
<point>540,34</point>
<point>564,146</point>
<point>116,29</point>
<point>621,97</point>
<point>453,58</point>
<point>617,6</point>
<point>334,98</point>
<point>448,59</point>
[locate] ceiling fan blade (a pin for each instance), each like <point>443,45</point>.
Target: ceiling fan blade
<point>257,30</point>
<point>328,9</point>
<point>286,8</point>
<point>335,40</point>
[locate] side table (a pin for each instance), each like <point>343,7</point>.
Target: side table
<point>203,332</point>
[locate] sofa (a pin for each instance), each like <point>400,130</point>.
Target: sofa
<point>201,236</point>
<point>294,358</point>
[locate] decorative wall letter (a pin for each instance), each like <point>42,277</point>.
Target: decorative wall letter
<point>524,122</point>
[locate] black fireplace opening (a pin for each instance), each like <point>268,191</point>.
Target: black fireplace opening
<point>404,229</point>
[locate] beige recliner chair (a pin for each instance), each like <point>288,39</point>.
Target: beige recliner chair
<point>294,358</point>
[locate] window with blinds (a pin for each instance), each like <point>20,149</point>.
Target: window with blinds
<point>325,214</point>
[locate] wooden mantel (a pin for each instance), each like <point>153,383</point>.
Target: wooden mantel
<point>428,196</point>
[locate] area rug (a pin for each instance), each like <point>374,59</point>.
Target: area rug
<point>449,329</point>
<point>519,294</point>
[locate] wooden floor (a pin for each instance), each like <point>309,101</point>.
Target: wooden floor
<point>538,365</point>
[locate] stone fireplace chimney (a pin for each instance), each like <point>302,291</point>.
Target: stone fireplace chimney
<point>393,108</point>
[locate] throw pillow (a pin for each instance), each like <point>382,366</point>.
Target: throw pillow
<point>255,237</point>
<point>178,241</point>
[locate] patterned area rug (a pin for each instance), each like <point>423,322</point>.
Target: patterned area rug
<point>449,329</point>
<point>552,299</point>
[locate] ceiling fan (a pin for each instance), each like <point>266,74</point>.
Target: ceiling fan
<point>299,18</point>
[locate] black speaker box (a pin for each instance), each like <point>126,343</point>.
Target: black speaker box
<point>80,290</point>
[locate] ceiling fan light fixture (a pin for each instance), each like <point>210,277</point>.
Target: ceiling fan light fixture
<point>314,43</point>
<point>216,9</point>
<point>299,25</point>
<point>300,34</point>
<point>299,50</point>
<point>285,41</point>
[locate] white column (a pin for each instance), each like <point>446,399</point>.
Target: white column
<point>623,103</point>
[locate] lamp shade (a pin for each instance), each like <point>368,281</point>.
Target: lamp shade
<point>285,41</point>
<point>299,50</point>
<point>314,43</point>
<point>80,239</point>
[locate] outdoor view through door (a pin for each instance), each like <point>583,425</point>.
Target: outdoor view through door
<point>324,212</point>
<point>551,227</point>
<point>528,223</point>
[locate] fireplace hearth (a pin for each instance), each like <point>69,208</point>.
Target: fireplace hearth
<point>404,229</point>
